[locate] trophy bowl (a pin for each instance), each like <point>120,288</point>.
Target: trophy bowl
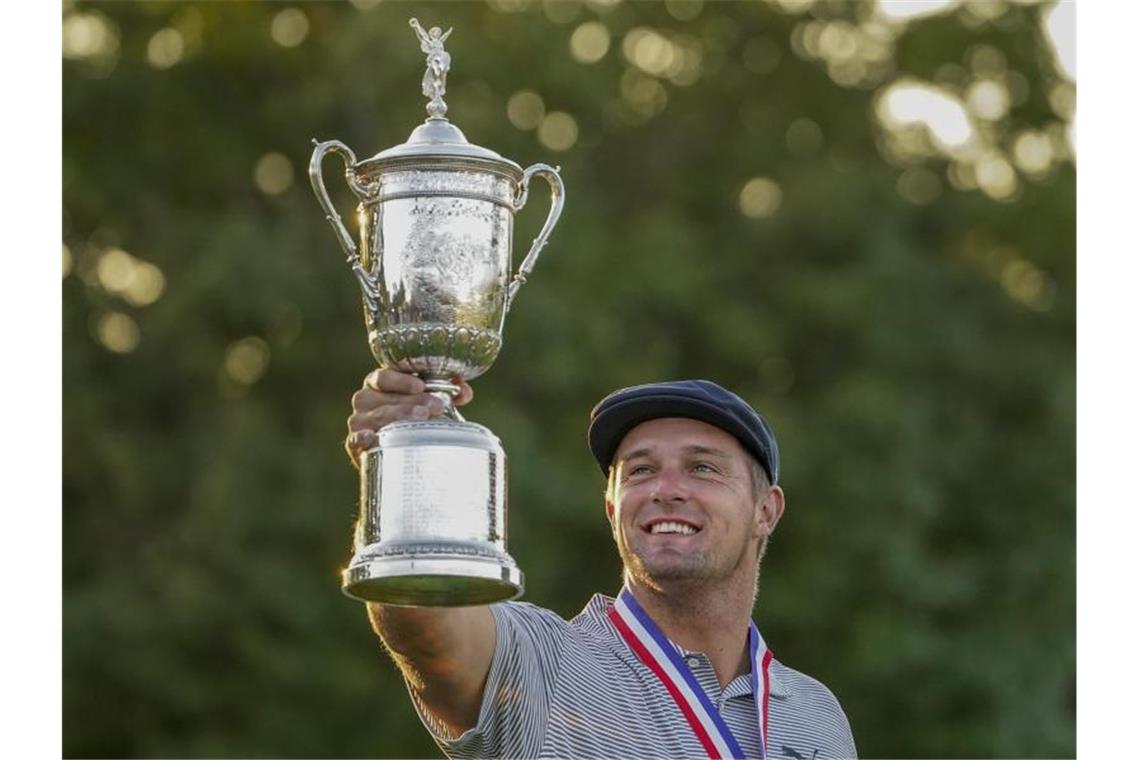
<point>440,240</point>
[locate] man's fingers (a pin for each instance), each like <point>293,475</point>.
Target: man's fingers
<point>388,396</point>
<point>391,381</point>
<point>465,393</point>
<point>419,407</point>
<point>359,442</point>
<point>366,399</point>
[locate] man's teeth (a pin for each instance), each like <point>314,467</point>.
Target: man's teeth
<point>672,527</point>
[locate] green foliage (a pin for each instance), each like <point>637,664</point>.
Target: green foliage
<point>925,567</point>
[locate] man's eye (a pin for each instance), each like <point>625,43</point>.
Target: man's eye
<point>703,467</point>
<point>638,469</point>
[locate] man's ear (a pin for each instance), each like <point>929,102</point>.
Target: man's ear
<point>611,493</point>
<point>769,512</point>
<point>772,507</point>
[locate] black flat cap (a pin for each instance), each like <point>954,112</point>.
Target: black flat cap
<point>703,400</point>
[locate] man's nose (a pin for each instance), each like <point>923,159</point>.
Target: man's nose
<point>669,485</point>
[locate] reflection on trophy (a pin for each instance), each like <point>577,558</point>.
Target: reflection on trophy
<point>433,263</point>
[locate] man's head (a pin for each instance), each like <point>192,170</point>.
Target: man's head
<point>691,473</point>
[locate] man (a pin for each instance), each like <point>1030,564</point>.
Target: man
<point>673,667</point>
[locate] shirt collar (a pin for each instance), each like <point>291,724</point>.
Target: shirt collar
<point>595,613</point>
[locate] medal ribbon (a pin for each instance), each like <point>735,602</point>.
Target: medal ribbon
<point>661,657</point>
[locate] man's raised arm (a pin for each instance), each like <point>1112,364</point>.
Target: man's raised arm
<point>444,653</point>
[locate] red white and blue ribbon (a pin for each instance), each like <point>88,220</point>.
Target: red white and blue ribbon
<point>655,650</point>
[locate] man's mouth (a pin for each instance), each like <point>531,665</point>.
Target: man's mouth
<point>677,527</point>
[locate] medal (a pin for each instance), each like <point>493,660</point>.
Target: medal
<point>654,649</point>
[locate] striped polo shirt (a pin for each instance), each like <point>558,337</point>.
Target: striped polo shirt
<point>576,689</point>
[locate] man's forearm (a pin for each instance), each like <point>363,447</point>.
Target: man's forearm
<point>443,652</point>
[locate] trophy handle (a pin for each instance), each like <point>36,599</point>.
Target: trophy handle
<point>368,286</point>
<point>557,197</point>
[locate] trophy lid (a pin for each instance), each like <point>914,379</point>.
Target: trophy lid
<point>438,138</point>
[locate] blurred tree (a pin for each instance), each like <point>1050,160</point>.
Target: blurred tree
<point>862,221</point>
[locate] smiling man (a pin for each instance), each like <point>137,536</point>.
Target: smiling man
<point>673,666</point>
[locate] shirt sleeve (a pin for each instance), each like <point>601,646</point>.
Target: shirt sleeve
<point>513,714</point>
<point>838,742</point>
<point>846,739</point>
<point>815,718</point>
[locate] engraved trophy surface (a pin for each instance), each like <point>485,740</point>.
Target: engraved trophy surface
<point>436,220</point>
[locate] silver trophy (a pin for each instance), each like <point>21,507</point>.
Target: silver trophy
<point>433,264</point>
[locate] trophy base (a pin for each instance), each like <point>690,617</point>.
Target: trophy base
<point>432,581</point>
<point>432,526</point>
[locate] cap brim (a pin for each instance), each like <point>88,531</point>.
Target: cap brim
<point>610,427</point>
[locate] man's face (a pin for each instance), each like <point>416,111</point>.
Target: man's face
<point>683,506</point>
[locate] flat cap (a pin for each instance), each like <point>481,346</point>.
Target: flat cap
<point>703,400</point>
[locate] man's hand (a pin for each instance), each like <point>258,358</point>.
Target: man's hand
<point>389,396</point>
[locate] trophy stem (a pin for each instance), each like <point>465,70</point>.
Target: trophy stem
<point>446,392</point>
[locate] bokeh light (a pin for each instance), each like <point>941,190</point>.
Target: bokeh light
<point>1017,86</point>
<point>1033,152</point>
<point>146,287</point>
<point>922,120</point>
<point>88,35</point>
<point>909,101</point>
<point>804,137</point>
<point>975,13</point>
<point>558,131</point>
<point>793,7</point>
<point>603,6</point>
<point>986,60</point>
<point>115,270</point>
<point>995,177</point>
<point>137,282</point>
<point>678,57</point>
<point>165,48</point>
<point>246,360</point>
<point>837,41</point>
<point>590,42</point>
<point>760,197</point>
<point>684,10</point>
<point>289,27</point>
<point>525,109</point>
<point>273,173</point>
<point>1027,284</point>
<point>117,332</point>
<point>190,24</point>
<point>645,96</point>
<point>561,11</point>
<point>855,55</point>
<point>1063,99</point>
<point>649,50</point>
<point>919,185</point>
<point>960,174</point>
<point>510,6</point>
<point>688,61</point>
<point>68,261</point>
<point>988,99</point>
<point>902,11</point>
